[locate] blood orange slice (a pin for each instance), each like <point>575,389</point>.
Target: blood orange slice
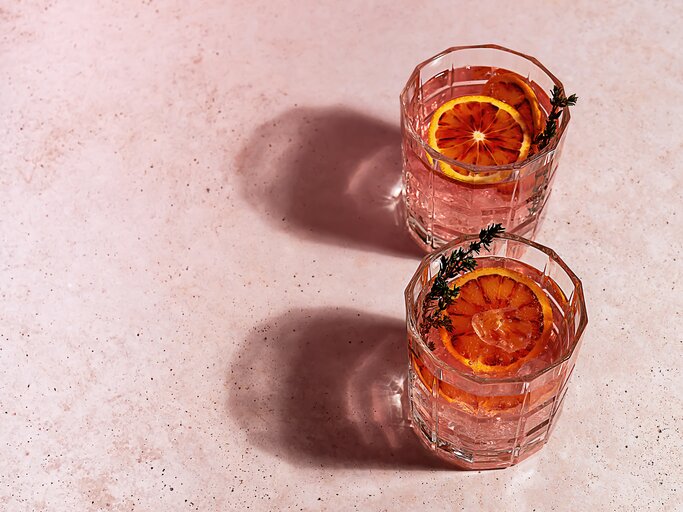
<point>479,130</point>
<point>516,91</point>
<point>447,391</point>
<point>501,318</point>
<point>461,398</point>
<point>422,372</point>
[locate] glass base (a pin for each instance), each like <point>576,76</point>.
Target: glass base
<point>468,459</point>
<point>428,241</point>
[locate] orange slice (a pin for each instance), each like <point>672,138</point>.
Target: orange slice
<point>479,130</point>
<point>463,399</point>
<point>516,91</point>
<point>422,372</point>
<point>447,391</point>
<point>501,318</point>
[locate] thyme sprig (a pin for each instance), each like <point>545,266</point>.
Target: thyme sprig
<point>559,102</point>
<point>441,295</point>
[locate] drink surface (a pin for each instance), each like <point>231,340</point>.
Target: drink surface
<point>441,204</point>
<point>551,347</point>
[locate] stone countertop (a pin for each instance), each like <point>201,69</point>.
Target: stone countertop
<point>202,272</point>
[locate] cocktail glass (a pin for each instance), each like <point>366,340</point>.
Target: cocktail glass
<point>469,415</point>
<point>442,205</point>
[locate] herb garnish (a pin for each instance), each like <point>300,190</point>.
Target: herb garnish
<point>559,103</point>
<point>441,294</point>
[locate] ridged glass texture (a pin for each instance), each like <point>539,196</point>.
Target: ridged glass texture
<point>438,207</point>
<point>469,430</point>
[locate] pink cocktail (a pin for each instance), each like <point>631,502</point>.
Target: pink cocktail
<point>486,389</point>
<point>447,195</point>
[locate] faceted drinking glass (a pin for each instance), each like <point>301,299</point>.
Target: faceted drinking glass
<point>439,207</point>
<point>481,421</point>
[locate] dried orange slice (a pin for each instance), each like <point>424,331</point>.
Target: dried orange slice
<point>501,318</point>
<point>479,130</point>
<point>516,91</point>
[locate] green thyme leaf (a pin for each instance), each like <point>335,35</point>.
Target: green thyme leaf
<point>441,295</point>
<point>559,102</point>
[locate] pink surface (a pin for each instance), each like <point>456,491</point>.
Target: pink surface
<point>202,276</point>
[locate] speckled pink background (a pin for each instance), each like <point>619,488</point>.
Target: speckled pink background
<point>202,275</point>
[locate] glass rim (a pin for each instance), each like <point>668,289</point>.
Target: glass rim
<point>437,156</point>
<point>411,321</point>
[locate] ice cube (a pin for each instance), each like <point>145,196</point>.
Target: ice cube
<point>496,327</point>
